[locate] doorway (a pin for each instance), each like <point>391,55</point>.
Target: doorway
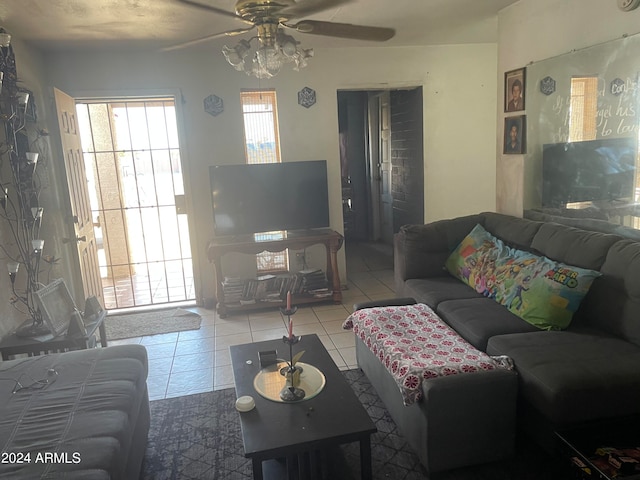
<point>381,160</point>
<point>136,190</point>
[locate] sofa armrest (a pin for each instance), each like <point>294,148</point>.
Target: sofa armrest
<point>421,250</point>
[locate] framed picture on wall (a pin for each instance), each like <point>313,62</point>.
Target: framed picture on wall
<point>514,90</point>
<point>514,135</point>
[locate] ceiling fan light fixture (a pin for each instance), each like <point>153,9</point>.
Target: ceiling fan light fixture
<point>288,45</point>
<point>5,38</point>
<point>236,55</point>
<point>301,60</point>
<point>269,60</point>
<point>272,48</point>
<point>267,56</point>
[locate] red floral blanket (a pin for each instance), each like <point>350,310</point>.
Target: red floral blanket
<point>414,344</point>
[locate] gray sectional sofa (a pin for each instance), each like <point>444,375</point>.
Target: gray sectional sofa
<point>589,371</point>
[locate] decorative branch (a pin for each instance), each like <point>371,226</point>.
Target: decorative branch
<point>20,188</point>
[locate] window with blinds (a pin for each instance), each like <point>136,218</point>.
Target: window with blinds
<point>262,145</point>
<point>261,137</point>
<point>583,109</point>
<point>583,113</point>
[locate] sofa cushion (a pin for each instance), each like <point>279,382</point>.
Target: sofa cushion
<point>479,319</point>
<point>432,291</point>
<point>95,408</point>
<point>420,250</point>
<point>613,304</point>
<point>574,376</point>
<point>573,246</point>
<point>515,232</point>
<point>540,291</point>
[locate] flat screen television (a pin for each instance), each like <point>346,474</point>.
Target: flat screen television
<point>594,170</point>
<point>267,197</point>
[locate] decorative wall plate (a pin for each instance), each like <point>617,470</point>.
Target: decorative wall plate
<point>617,86</point>
<point>307,97</point>
<point>547,85</point>
<point>213,105</point>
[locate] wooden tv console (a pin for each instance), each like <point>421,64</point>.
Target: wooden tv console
<point>295,240</point>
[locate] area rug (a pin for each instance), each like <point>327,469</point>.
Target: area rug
<point>131,325</point>
<point>198,437</point>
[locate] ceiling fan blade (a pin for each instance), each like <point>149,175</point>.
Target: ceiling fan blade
<point>228,33</point>
<point>305,8</point>
<point>211,8</point>
<point>344,30</point>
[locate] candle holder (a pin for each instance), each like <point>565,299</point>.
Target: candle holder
<point>291,391</point>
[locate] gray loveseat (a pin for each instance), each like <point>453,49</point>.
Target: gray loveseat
<point>591,370</point>
<point>88,421</point>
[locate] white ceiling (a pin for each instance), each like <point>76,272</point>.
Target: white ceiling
<point>54,25</point>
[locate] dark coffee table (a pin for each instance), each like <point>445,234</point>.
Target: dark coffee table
<point>298,431</point>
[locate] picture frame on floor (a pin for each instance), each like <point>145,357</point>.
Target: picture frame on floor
<point>514,135</point>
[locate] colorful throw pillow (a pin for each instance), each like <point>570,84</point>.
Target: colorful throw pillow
<point>474,260</point>
<point>541,291</point>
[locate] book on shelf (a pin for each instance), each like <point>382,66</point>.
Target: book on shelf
<point>321,293</point>
<point>265,277</point>
<point>272,297</point>
<point>232,289</point>
<point>314,280</point>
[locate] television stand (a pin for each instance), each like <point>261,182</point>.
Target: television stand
<point>295,240</point>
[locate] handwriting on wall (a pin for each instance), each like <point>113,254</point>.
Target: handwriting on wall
<point>616,114</point>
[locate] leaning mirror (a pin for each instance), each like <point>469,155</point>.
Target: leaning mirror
<point>582,153</point>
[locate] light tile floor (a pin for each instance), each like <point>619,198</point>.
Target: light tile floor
<point>196,361</point>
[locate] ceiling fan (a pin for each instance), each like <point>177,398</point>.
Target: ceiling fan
<point>270,18</point>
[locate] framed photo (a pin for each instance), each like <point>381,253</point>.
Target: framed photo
<point>56,306</point>
<point>514,135</point>
<point>514,83</point>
